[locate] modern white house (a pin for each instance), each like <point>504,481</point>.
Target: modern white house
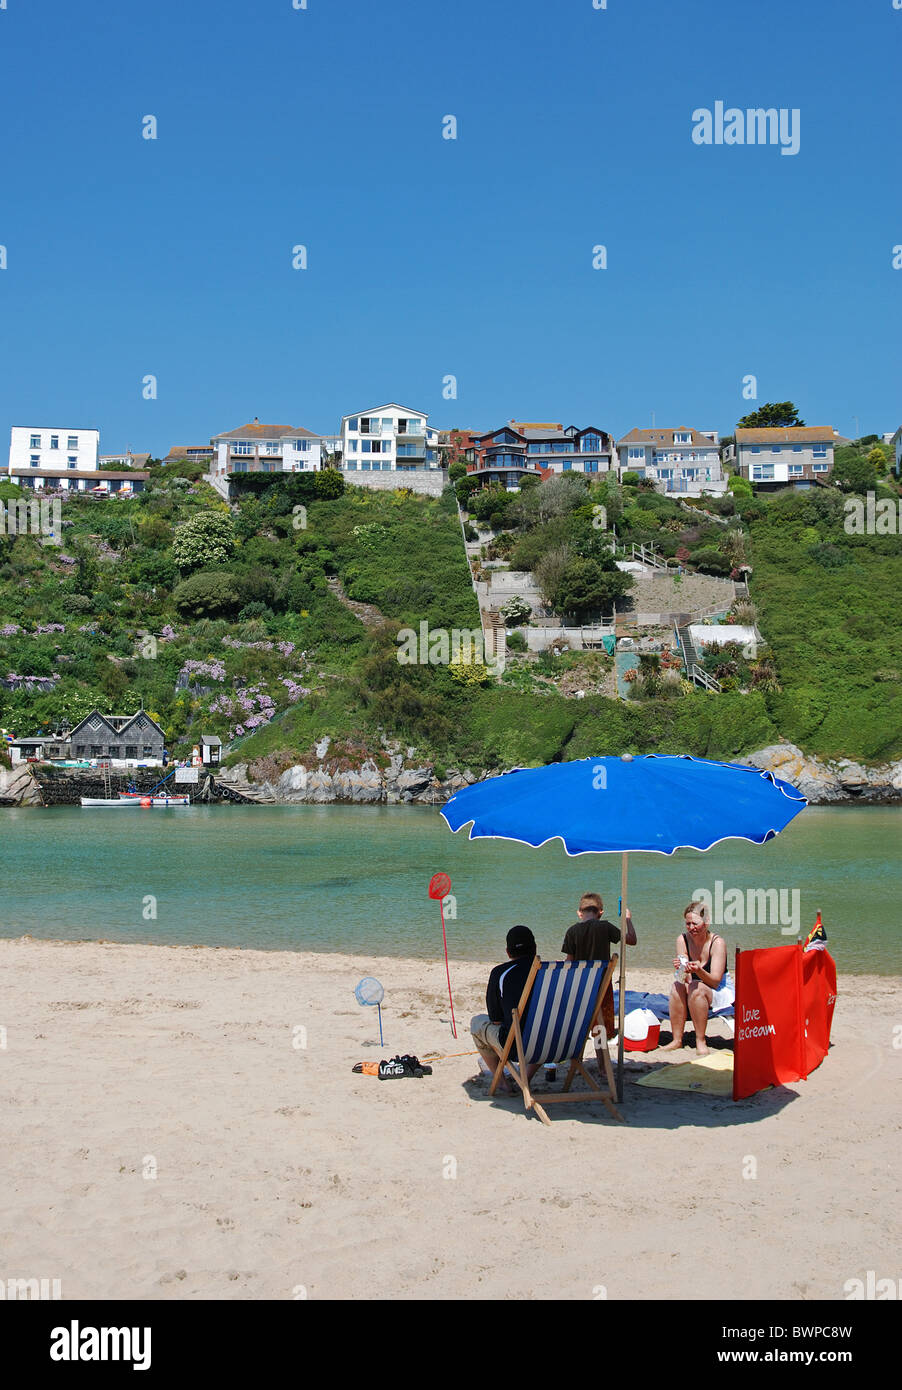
<point>38,450</point>
<point>799,455</point>
<point>679,460</point>
<point>391,439</point>
<point>256,448</point>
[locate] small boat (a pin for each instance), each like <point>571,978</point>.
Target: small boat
<point>166,800</point>
<point>106,801</point>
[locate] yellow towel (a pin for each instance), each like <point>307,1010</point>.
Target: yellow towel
<point>712,1075</point>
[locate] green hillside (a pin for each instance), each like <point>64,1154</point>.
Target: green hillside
<point>275,623</point>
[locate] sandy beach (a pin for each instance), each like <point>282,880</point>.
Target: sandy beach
<point>183,1122</point>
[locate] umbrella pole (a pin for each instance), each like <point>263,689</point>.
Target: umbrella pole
<point>624,875</point>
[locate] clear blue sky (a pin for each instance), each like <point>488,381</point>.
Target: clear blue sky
<point>429,257</point>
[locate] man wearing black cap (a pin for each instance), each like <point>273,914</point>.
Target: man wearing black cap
<point>502,996</point>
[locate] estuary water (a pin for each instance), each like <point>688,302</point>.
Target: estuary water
<point>354,879</point>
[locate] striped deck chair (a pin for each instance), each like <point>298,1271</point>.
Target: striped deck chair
<point>559,1006</point>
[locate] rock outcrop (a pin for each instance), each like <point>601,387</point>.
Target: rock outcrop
<point>18,787</point>
<point>826,782</point>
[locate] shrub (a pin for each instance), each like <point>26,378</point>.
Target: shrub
<point>207,539</point>
<point>517,642</point>
<point>711,561</point>
<point>329,482</point>
<point>205,595</point>
<point>515,610</point>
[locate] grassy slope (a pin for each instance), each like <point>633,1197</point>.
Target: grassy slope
<point>831,629</point>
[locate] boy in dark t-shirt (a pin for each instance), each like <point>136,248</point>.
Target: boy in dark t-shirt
<point>502,995</point>
<point>591,938</point>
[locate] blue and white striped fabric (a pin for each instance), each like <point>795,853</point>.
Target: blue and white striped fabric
<point>559,1009</point>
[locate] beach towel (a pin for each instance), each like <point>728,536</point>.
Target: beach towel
<point>712,1075</point>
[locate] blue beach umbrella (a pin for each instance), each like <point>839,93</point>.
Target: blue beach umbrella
<point>649,804</point>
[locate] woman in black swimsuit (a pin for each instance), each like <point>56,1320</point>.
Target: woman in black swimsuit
<point>707,956</point>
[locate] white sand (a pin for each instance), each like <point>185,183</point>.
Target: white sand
<point>278,1168</point>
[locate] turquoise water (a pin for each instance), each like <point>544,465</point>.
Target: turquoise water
<point>354,879</point>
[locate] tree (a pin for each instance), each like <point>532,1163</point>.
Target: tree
<point>852,471</point>
<point>585,589</point>
<point>207,539</point>
<point>774,415</point>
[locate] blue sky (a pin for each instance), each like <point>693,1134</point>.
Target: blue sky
<point>430,257</point>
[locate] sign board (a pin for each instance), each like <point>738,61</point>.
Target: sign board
<point>186,774</point>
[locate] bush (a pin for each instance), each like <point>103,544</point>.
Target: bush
<point>515,610</point>
<point>517,642</point>
<point>711,561</point>
<point>630,479</point>
<point>207,595</point>
<point>329,482</point>
<point>207,539</point>
<point>457,470</point>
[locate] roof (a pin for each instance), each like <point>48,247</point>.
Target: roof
<point>254,430</point>
<point>211,739</point>
<point>19,472</point>
<point>392,405</point>
<point>665,436</point>
<point>785,434</point>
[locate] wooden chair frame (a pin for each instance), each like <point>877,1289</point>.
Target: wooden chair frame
<point>518,1069</point>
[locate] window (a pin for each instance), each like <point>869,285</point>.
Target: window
<point>80,749</point>
<point>776,449</point>
<point>763,472</point>
<point>272,448</point>
<point>131,751</point>
<point>115,752</point>
<point>756,448</point>
<point>96,750</point>
<point>302,446</point>
<point>794,469</point>
<point>796,448</point>
<point>365,465</point>
<point>637,453</point>
<point>54,441</point>
<point>386,423</point>
<point>148,751</point>
<point>568,464</point>
<point>366,446</point>
<point>72,461</point>
<point>352,423</point>
<point>591,441</point>
<point>351,465</point>
<point>34,460</point>
<point>820,451</point>
<point>242,446</point>
<point>591,465</point>
<point>819,468</point>
<point>402,427</point>
<point>35,442</point>
<point>430,456</point>
<point>561,448</point>
<point>365,424</point>
<point>72,441</point>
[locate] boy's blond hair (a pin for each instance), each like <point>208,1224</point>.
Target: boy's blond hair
<point>591,900</point>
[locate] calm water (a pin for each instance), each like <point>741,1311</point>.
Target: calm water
<point>354,879</point>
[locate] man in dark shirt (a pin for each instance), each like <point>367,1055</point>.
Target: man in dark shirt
<point>502,996</point>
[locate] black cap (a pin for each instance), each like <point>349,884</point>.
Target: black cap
<point>521,942</point>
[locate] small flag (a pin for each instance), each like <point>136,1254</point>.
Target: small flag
<point>816,939</point>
